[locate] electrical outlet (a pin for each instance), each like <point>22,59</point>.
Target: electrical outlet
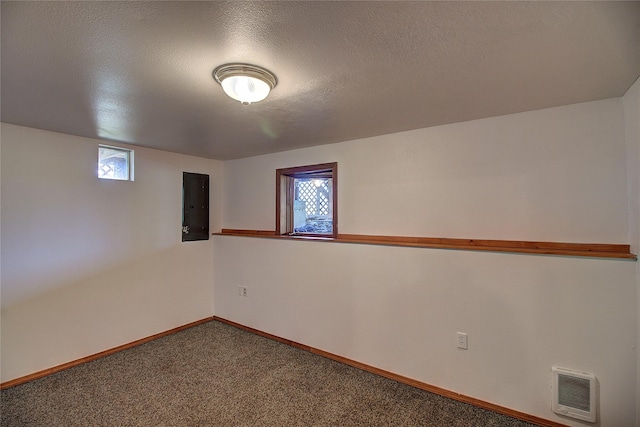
<point>242,291</point>
<point>462,341</point>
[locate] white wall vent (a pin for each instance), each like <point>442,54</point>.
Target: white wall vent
<point>574,394</point>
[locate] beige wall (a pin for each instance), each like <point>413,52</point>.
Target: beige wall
<point>90,264</point>
<point>556,175</point>
<point>631,102</point>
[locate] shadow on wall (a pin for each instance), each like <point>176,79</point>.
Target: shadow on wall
<point>106,307</point>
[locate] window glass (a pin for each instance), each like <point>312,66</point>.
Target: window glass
<point>306,200</point>
<point>313,206</point>
<point>114,163</point>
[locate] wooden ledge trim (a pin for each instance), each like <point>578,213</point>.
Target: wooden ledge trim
<point>401,379</point>
<point>595,250</point>
<point>50,371</point>
<point>238,232</point>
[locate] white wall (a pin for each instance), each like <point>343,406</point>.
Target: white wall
<point>90,264</point>
<point>552,175</point>
<point>631,103</point>
<point>546,175</point>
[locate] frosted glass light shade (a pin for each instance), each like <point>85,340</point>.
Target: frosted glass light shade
<point>245,89</point>
<point>245,83</point>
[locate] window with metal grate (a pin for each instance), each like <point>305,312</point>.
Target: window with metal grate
<point>306,200</point>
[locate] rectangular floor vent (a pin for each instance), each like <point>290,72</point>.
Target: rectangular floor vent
<point>574,394</point>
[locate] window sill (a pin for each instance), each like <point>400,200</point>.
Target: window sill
<point>592,250</point>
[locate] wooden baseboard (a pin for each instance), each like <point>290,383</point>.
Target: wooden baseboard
<point>77,362</point>
<point>402,379</point>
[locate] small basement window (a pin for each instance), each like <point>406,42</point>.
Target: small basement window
<point>306,200</point>
<point>115,163</point>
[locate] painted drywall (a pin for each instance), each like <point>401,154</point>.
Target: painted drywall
<point>543,175</point>
<point>91,264</point>
<point>631,104</point>
<point>553,175</point>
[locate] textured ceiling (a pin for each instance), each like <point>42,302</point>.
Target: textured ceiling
<point>140,72</point>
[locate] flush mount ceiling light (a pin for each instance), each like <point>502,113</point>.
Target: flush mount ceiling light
<point>244,82</point>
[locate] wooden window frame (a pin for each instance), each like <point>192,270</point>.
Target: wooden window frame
<point>285,195</point>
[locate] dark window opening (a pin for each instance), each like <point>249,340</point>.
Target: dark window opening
<point>195,207</point>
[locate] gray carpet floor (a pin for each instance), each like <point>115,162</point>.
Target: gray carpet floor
<point>217,375</point>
